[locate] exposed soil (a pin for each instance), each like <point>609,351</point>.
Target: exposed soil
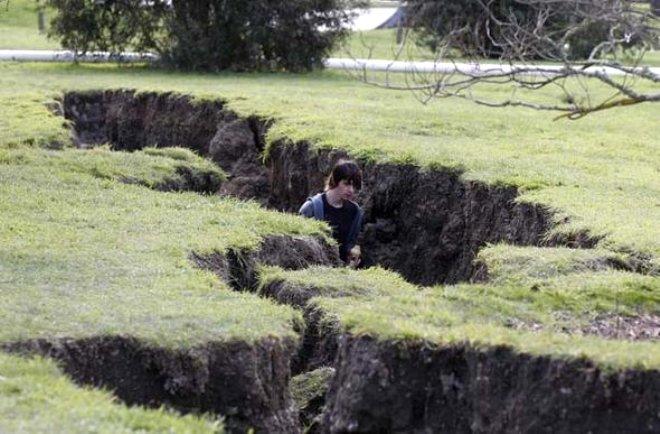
<point>413,387</point>
<point>641,327</point>
<point>239,267</point>
<point>245,382</point>
<point>635,328</point>
<point>320,338</point>
<point>129,121</point>
<point>427,225</point>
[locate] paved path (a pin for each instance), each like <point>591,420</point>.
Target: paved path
<point>332,63</point>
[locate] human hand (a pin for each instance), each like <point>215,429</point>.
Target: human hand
<point>354,257</point>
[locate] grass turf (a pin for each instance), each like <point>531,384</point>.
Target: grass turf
<point>85,255</point>
<point>599,174</point>
<point>379,303</point>
<point>35,397</point>
<point>596,174</point>
<point>19,26</point>
<point>151,167</point>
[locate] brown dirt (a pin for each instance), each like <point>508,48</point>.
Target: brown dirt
<point>246,383</point>
<point>609,326</point>
<point>130,121</point>
<point>414,387</point>
<point>239,267</point>
<point>634,328</point>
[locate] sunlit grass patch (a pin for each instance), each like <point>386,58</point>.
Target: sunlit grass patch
<point>529,319</point>
<point>162,168</point>
<point>85,255</point>
<point>35,397</point>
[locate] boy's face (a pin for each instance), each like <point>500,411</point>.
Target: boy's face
<point>345,190</point>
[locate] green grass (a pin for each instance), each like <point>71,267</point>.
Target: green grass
<point>378,303</point>
<point>19,26</point>
<point>310,385</point>
<point>35,397</point>
<point>151,167</point>
<point>510,264</point>
<point>599,173</point>
<point>84,255</point>
<point>382,44</point>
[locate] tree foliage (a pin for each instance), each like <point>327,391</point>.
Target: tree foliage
<point>527,29</point>
<point>112,25</point>
<point>208,34</point>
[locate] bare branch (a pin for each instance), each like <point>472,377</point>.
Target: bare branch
<point>584,39</point>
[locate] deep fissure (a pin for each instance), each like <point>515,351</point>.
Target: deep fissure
<point>427,225</point>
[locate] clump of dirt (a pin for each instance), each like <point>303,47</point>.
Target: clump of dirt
<point>641,327</point>
<point>247,383</point>
<point>186,179</point>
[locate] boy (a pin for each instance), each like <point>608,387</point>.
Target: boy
<point>336,206</point>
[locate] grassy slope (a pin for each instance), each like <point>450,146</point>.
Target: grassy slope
<point>35,397</point>
<point>595,171</point>
<point>84,255</point>
<point>379,303</point>
<point>151,167</point>
<point>600,171</point>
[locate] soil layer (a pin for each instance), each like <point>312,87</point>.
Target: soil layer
<point>247,383</point>
<point>414,387</point>
<point>427,225</point>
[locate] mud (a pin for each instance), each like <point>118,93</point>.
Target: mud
<point>415,387</point>
<point>245,382</point>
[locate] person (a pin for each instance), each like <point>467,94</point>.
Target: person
<point>336,206</point>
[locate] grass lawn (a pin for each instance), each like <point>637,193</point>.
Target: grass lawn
<point>35,397</point>
<point>86,255</point>
<point>379,303</point>
<point>19,26</point>
<point>600,173</point>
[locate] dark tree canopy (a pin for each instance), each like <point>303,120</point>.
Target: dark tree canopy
<point>208,34</point>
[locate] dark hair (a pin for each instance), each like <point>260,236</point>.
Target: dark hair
<point>345,170</point>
